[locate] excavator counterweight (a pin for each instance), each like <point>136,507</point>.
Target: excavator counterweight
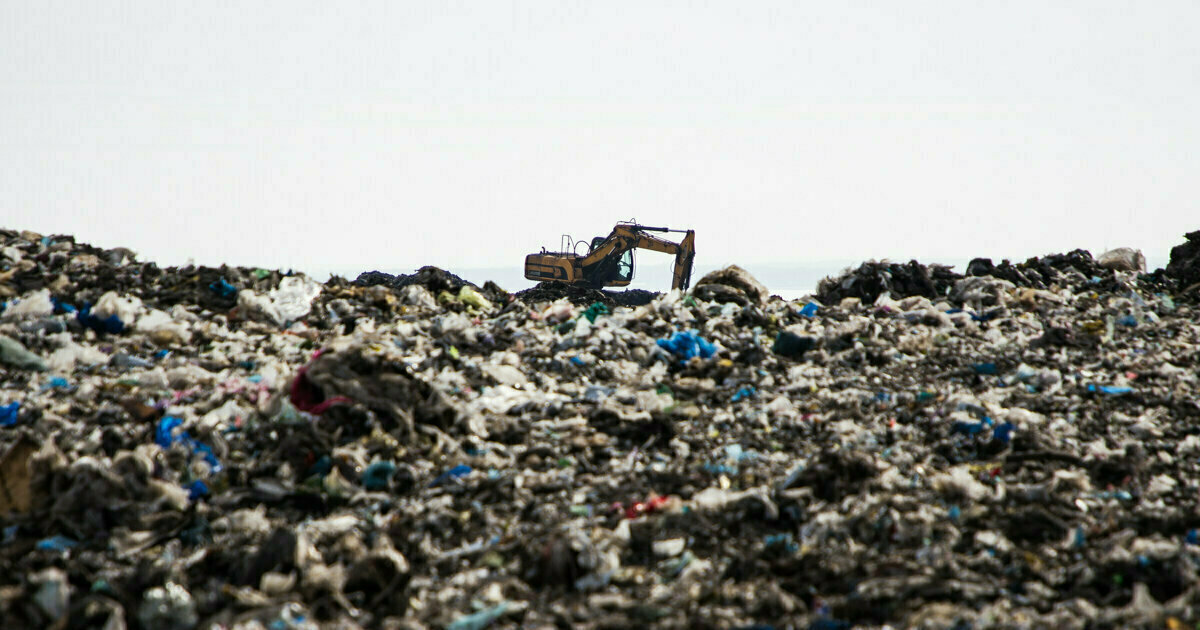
<point>609,260</point>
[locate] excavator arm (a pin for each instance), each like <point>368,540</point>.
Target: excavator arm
<point>603,259</point>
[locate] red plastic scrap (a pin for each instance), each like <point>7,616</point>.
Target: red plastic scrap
<point>306,396</point>
<point>652,504</point>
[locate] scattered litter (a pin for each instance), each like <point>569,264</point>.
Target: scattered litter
<point>194,447</point>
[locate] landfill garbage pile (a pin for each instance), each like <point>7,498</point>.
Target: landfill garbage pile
<point>240,448</point>
<point>1185,261</point>
<point>872,279</point>
<point>582,295</point>
<point>432,278</point>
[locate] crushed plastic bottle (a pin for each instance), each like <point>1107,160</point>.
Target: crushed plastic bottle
<point>168,607</point>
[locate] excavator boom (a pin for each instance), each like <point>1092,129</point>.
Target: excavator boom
<point>609,261</point>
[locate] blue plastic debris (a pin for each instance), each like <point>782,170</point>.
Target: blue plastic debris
<point>986,316</point>
<point>578,361</point>
<point>209,456</point>
<point>61,307</point>
<point>1110,389</point>
<point>56,543</point>
<point>971,429</point>
<point>57,382</point>
<point>165,435</point>
<point>8,413</point>
<point>687,344</point>
<point>1080,538</point>
<point>985,368</point>
<point>1004,432</point>
<point>810,309</point>
<point>1121,495</point>
<point>479,620</point>
<point>111,324</point>
<point>457,472</point>
<point>322,467</point>
<point>719,469</point>
<point>743,393</point>
<point>223,288</point>
<point>378,474</point>
<point>781,542</point>
<point>954,513</point>
<point>1193,537</point>
<point>197,489</point>
<point>1128,320</point>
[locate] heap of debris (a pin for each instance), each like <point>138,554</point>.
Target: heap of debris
<point>243,448</point>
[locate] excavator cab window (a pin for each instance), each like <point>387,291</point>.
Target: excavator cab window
<point>625,267</point>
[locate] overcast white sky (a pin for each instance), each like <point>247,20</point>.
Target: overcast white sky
<point>393,134</point>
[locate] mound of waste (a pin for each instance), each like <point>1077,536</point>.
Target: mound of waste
<point>243,448</point>
<point>1184,265</point>
<point>873,279</point>
<point>581,295</point>
<point>430,277</point>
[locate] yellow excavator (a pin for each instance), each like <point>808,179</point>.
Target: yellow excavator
<point>609,259</point>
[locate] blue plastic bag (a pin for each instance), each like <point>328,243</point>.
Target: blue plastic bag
<point>686,345</point>
<point>165,436</point>
<point>8,413</point>
<point>111,324</point>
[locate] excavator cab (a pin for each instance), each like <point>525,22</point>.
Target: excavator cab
<point>623,273</point>
<point>609,260</point>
